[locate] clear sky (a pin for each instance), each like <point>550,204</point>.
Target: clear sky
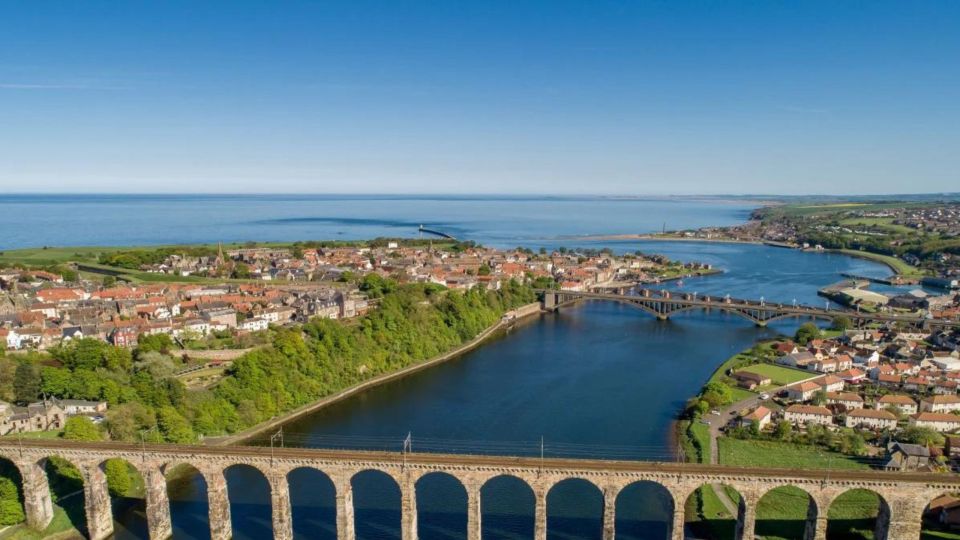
<point>600,97</point>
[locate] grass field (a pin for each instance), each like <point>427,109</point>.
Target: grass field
<point>60,528</point>
<point>34,435</point>
<point>740,394</point>
<point>782,513</point>
<point>897,265</point>
<point>885,224</point>
<point>782,455</point>
<point>780,375</point>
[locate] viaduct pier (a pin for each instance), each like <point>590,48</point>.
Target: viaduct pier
<point>904,495</point>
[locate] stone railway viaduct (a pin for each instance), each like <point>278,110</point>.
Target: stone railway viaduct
<point>904,495</point>
<point>663,304</point>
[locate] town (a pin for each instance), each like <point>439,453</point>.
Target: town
<point>39,308</point>
<point>896,390</point>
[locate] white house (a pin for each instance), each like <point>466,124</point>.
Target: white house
<point>905,404</point>
<point>801,415</point>
<point>871,418</point>
<point>936,421</point>
<point>847,399</point>
<point>253,325</point>
<point>760,416</point>
<point>803,391</point>
<point>940,404</point>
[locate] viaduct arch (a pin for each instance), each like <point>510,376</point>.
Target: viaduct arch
<point>905,494</point>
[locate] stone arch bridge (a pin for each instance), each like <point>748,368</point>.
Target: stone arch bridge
<point>904,495</point>
<point>663,304</point>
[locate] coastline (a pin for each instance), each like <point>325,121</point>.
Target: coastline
<point>659,238</point>
<point>504,323</point>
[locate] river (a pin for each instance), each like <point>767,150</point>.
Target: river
<point>594,380</point>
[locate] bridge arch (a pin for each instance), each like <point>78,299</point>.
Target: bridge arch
<point>858,509</point>
<point>125,486</point>
<point>188,495</point>
<point>575,507</point>
<point>313,503</point>
<point>250,509</point>
<point>786,511</point>
<point>67,485</point>
<point>376,503</point>
<point>716,510</point>
<point>940,512</point>
<point>806,316</point>
<point>644,510</point>
<point>719,307</point>
<point>507,507</point>
<point>441,505</point>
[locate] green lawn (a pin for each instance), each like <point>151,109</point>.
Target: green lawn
<point>897,265</point>
<point>853,515</point>
<point>740,394</point>
<point>780,375</point>
<point>34,435</point>
<point>939,535</point>
<point>60,527</point>
<point>708,516</point>
<point>782,513</point>
<point>701,437</point>
<point>885,224</point>
<point>747,453</point>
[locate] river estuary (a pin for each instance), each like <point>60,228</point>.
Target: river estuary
<point>596,380</point>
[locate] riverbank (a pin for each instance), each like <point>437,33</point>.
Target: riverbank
<point>899,267</point>
<point>504,323</point>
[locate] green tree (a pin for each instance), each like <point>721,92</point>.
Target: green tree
<point>154,343</point>
<point>241,271</point>
<point>921,435</point>
<point>717,394</point>
<point>174,426</point>
<point>26,382</point>
<point>819,398</point>
<point>841,323</point>
<point>782,431</point>
<point>81,428</point>
<point>11,509</point>
<point>806,332</point>
<point>118,477</point>
<point>109,281</point>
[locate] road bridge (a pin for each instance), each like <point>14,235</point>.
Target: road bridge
<point>903,496</point>
<point>664,304</point>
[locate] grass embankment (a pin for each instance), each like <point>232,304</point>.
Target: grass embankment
<point>899,266</point>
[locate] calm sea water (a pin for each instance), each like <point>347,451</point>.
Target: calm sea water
<point>596,380</point>
<point>109,220</point>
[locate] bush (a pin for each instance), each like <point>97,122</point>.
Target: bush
<point>81,428</point>
<point>11,509</point>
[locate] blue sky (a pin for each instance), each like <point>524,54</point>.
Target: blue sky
<point>600,97</point>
